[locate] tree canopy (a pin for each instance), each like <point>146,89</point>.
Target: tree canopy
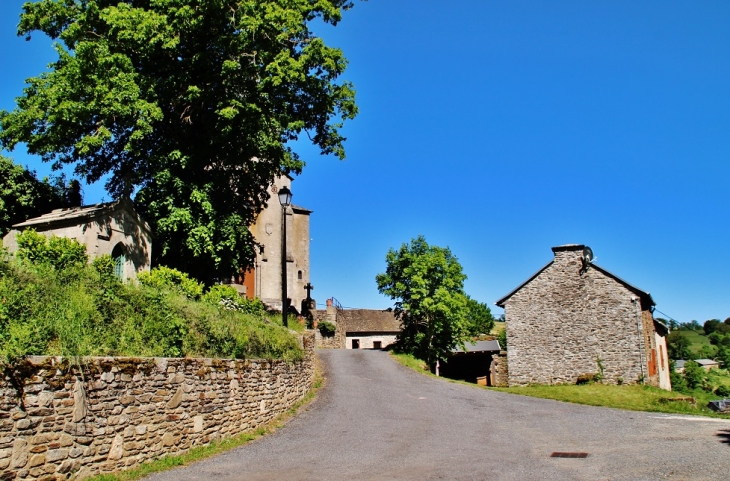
<point>23,196</point>
<point>190,104</point>
<point>427,284</point>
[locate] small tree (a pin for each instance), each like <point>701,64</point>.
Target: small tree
<point>478,317</point>
<point>694,374</point>
<point>427,284</point>
<point>678,346</point>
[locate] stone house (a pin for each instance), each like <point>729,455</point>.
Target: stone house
<point>112,228</point>
<point>263,279</point>
<point>359,328</point>
<point>573,317</point>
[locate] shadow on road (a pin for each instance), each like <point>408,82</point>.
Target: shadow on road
<point>724,435</point>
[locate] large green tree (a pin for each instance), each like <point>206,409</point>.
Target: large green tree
<point>23,196</point>
<point>427,284</point>
<point>190,104</point>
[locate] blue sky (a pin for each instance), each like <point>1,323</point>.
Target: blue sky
<point>501,129</point>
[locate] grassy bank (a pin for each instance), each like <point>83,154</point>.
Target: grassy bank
<point>632,398</point>
<point>52,302</point>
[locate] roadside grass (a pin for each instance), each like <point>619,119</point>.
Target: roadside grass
<point>216,447</point>
<point>630,398</point>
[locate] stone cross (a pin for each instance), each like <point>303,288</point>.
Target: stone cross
<point>309,288</point>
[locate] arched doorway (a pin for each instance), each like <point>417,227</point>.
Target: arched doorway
<point>120,259</point>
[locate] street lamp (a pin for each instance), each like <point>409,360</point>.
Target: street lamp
<point>285,196</point>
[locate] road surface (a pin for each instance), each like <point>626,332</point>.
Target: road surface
<point>376,419</point>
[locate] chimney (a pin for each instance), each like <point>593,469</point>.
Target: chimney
<point>569,254</point>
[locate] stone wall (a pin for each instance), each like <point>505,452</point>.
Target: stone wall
<point>561,322</point>
<point>59,420</point>
<point>498,370</point>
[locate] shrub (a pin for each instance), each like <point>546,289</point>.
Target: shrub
<point>723,391</point>
<point>218,292</point>
<point>326,328</point>
<point>166,278</point>
<point>694,375</point>
<point>45,311</point>
<point>59,252</point>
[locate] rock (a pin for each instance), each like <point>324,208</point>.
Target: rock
<point>80,408</point>
<point>168,439</point>
<point>117,449</point>
<point>198,424</point>
<point>37,460</point>
<point>56,455</point>
<point>20,453</point>
<point>176,399</point>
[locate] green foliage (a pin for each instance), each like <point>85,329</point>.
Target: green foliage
<point>195,103</point>
<point>694,375</point>
<point>711,326</point>
<point>723,391</point>
<point>23,196</point>
<point>427,284</point>
<point>218,292</point>
<point>479,317</point>
<point>706,352</point>
<point>44,310</point>
<point>326,328</point>
<point>59,252</point>
<point>502,338</point>
<point>678,346</point>
<point>163,277</point>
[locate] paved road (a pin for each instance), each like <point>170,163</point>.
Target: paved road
<point>375,419</point>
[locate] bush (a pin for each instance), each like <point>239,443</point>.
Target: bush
<point>326,328</point>
<point>218,292</point>
<point>59,252</point>
<point>723,391</point>
<point>694,375</point>
<point>45,311</point>
<point>166,278</point>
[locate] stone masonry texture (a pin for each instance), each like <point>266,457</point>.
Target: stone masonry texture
<point>70,420</point>
<point>567,318</point>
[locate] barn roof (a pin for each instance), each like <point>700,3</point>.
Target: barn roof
<point>368,320</point>
<point>645,296</point>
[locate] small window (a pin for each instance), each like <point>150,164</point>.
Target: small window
<point>299,275</point>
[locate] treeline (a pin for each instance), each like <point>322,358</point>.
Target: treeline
<point>53,302</point>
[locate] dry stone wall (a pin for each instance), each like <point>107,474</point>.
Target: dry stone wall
<point>564,320</point>
<point>64,421</point>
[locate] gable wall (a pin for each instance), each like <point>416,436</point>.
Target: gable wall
<point>560,322</point>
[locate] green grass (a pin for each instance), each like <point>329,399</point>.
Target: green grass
<point>632,398</point>
<point>216,447</point>
<point>697,339</point>
<point>498,327</point>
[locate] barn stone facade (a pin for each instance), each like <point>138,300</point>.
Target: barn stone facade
<point>574,318</point>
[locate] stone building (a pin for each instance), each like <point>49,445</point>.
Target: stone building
<point>263,280</point>
<point>573,318</point>
<point>358,328</point>
<point>112,228</point>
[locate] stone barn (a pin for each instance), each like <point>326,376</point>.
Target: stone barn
<point>573,318</point>
<point>112,228</point>
<point>358,328</point>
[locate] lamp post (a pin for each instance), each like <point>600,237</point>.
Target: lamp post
<point>285,196</point>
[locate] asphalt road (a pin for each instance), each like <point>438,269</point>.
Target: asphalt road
<point>376,419</point>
